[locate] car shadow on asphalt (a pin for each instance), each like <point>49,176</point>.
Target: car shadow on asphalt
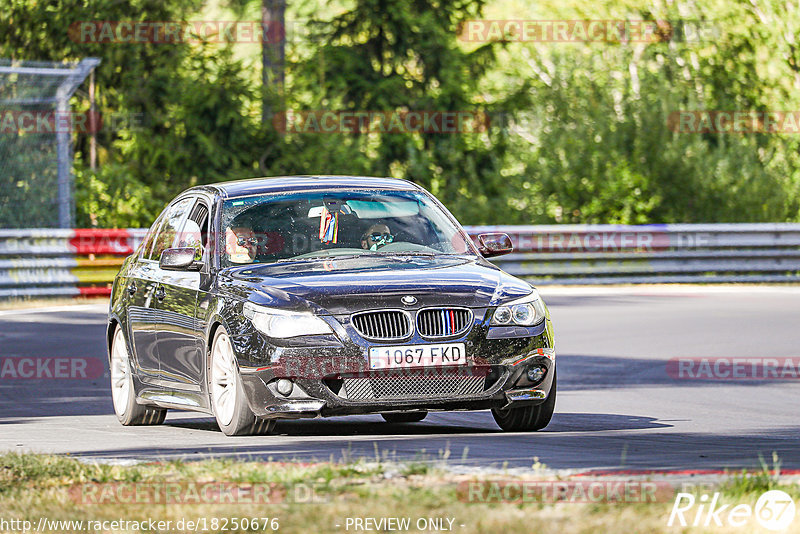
<point>643,449</point>
<point>435,423</point>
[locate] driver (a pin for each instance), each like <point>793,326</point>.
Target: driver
<point>241,244</point>
<point>376,236</point>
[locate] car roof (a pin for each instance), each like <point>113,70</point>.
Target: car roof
<point>277,184</point>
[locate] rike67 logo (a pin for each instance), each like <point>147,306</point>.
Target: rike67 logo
<point>774,510</point>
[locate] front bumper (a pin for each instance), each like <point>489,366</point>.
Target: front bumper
<point>265,403</point>
<point>498,358</point>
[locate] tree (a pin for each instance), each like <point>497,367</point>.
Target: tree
<point>273,54</point>
<point>399,55</point>
<point>175,114</point>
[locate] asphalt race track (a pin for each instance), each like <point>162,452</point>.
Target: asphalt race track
<point>618,406</point>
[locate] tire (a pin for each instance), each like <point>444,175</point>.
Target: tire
<point>527,418</point>
<point>123,392</point>
<point>228,398</point>
<point>404,417</point>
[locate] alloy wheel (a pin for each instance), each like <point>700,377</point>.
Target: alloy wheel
<point>223,380</point>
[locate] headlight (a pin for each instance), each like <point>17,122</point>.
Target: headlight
<point>526,311</point>
<point>283,324</point>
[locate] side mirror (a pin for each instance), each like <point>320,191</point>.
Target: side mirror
<point>494,244</point>
<point>179,259</point>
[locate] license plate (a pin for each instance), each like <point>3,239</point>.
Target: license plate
<point>405,356</point>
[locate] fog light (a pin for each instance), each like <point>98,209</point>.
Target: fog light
<point>536,373</point>
<point>284,386</point>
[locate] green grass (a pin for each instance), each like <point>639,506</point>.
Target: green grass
<point>745,484</point>
<point>35,486</point>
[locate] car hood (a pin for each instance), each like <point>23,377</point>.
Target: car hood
<point>343,286</point>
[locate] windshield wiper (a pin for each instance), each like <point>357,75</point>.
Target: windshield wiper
<point>409,253</point>
<point>325,257</point>
<point>366,253</point>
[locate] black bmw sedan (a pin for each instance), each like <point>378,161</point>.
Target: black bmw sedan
<point>314,296</point>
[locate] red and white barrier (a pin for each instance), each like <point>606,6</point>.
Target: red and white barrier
<point>56,262</point>
<point>53,262</point>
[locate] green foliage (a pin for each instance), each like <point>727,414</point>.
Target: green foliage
<point>394,55</point>
<point>595,146</point>
<point>579,131</point>
<point>27,172</point>
<point>112,198</point>
<point>174,114</point>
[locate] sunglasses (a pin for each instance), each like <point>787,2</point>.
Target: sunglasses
<point>242,241</point>
<point>378,236</point>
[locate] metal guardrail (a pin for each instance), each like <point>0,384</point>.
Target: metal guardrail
<point>48,262</point>
<point>658,253</point>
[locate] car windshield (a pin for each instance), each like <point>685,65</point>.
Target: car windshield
<point>321,224</point>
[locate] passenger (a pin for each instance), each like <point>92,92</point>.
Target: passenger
<point>376,236</point>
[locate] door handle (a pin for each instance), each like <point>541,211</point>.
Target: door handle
<point>132,288</point>
<point>160,293</point>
